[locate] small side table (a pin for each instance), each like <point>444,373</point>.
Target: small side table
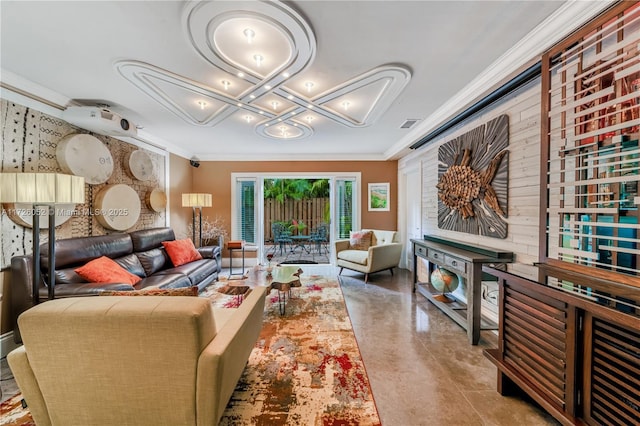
<point>235,245</point>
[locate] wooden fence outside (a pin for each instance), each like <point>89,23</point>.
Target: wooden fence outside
<point>310,211</point>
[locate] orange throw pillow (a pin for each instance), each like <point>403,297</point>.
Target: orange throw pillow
<point>181,251</point>
<point>105,270</point>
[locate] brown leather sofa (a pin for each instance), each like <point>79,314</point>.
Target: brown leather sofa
<point>139,252</point>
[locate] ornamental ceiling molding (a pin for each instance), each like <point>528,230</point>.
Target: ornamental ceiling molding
<point>210,28</point>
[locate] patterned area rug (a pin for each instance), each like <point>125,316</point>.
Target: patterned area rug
<point>306,368</point>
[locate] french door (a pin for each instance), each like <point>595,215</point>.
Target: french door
<point>247,211</point>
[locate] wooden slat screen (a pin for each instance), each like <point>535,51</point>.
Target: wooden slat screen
<point>535,340</point>
<point>614,395</point>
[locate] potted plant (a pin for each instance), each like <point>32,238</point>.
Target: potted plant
<point>297,226</point>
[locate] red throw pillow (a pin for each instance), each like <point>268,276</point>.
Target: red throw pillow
<point>359,240</point>
<point>181,251</point>
<point>105,270</point>
<point>183,291</point>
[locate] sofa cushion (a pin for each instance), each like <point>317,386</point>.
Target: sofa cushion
<point>132,264</point>
<point>161,280</point>
<point>105,270</point>
<point>147,239</point>
<point>197,271</point>
<point>183,291</point>
<point>153,260</point>
<point>354,256</point>
<point>68,276</point>
<point>359,240</point>
<point>78,251</point>
<point>181,251</point>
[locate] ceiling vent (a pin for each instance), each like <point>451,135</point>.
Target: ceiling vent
<point>409,123</point>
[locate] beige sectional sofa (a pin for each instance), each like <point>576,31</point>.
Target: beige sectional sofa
<point>384,253</point>
<point>140,361</point>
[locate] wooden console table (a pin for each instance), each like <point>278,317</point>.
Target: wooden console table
<point>467,262</point>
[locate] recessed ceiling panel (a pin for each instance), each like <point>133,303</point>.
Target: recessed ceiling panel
<point>358,103</point>
<point>264,48</point>
<point>252,45</point>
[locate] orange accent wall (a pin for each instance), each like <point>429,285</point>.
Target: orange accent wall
<point>215,177</point>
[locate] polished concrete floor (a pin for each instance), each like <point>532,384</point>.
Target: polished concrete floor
<point>421,367</point>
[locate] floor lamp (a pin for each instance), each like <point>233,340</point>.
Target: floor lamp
<point>196,201</point>
<point>42,190</point>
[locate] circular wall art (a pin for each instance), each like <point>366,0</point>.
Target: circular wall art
<point>140,165</point>
<point>117,207</point>
<point>85,155</point>
<point>157,200</point>
<point>22,214</point>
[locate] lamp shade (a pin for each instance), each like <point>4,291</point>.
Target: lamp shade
<point>196,200</point>
<point>46,188</point>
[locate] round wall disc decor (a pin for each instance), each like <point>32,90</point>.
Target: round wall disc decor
<point>117,207</point>
<point>140,165</point>
<point>157,200</point>
<point>86,156</point>
<point>22,214</point>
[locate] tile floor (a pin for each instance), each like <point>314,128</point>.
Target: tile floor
<point>421,367</point>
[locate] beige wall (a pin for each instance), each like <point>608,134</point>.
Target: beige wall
<point>180,180</point>
<point>215,177</point>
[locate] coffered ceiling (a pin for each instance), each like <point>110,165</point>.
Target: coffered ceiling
<point>250,80</point>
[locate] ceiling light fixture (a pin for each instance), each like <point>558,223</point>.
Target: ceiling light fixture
<point>267,87</point>
<point>308,85</point>
<point>258,59</point>
<point>202,104</point>
<point>275,104</point>
<point>226,84</point>
<point>252,96</point>
<point>239,104</point>
<point>293,113</point>
<point>290,97</point>
<point>309,106</point>
<point>249,34</point>
<point>261,112</point>
<point>345,105</point>
<point>285,74</point>
<point>309,118</point>
<point>240,74</point>
<point>249,118</point>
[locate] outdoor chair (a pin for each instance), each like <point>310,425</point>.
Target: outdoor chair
<point>281,236</point>
<point>319,237</point>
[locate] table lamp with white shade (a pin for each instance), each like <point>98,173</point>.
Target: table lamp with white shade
<point>196,201</point>
<point>42,190</point>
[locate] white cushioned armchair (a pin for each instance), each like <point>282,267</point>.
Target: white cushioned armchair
<point>383,253</point>
<point>119,360</point>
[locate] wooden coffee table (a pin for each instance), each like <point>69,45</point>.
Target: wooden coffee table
<point>281,278</point>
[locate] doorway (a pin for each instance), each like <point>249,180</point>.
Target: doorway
<point>261,199</point>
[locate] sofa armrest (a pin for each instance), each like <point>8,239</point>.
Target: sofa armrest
<point>212,252</point>
<point>28,384</point>
<point>221,363</point>
<point>384,256</point>
<point>209,252</point>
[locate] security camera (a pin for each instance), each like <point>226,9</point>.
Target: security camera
<point>194,163</point>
